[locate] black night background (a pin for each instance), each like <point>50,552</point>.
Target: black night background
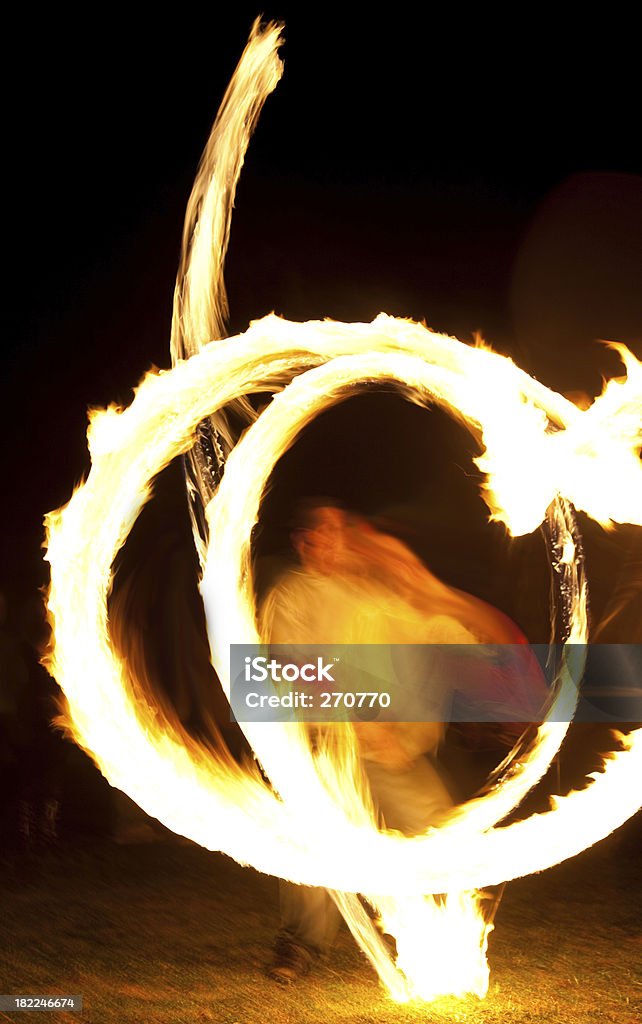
<point>480,173</point>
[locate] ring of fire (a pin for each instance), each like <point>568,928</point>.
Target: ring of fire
<point>540,454</point>
<point>214,802</point>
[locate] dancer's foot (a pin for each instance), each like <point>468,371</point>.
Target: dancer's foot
<point>290,962</point>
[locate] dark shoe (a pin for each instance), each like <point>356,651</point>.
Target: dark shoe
<point>290,962</point>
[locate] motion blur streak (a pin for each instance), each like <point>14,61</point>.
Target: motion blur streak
<point>541,455</point>
<point>306,836</point>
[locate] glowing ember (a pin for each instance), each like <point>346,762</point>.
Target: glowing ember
<point>317,830</point>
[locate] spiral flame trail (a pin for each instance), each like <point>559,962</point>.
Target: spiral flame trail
<point>587,458</point>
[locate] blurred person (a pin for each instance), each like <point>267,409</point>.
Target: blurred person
<point>354,584</point>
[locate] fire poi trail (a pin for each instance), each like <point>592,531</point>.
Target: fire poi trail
<point>311,825</point>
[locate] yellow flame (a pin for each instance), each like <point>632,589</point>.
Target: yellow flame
<point>449,935</point>
<point>540,453</point>
<point>304,835</point>
<point>200,299</point>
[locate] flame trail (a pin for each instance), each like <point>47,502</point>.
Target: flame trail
<point>200,300</point>
<point>303,836</point>
<point>541,456</point>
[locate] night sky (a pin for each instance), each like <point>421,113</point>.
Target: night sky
<point>482,176</point>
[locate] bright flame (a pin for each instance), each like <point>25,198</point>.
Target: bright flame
<point>540,454</point>
<point>450,936</point>
<point>303,836</point>
<point>200,299</point>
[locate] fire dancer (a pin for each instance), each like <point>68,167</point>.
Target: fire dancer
<point>356,584</point>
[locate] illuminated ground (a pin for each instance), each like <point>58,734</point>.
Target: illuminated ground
<point>167,933</point>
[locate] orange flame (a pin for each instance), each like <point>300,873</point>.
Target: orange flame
<point>541,453</point>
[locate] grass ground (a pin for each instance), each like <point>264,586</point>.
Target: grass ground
<point>170,934</point>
